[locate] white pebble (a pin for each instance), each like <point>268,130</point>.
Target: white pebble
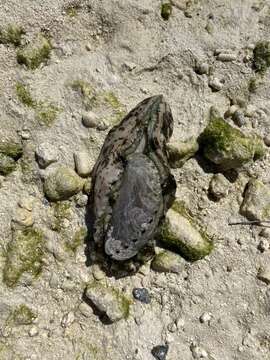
<point>67,319</point>
<point>33,331</point>
<point>90,119</point>
<point>226,57</point>
<point>205,317</point>
<point>216,84</point>
<point>198,352</point>
<point>83,163</point>
<point>46,155</point>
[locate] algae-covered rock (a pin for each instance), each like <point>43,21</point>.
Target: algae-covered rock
<point>168,262</point>
<point>261,56</point>
<point>7,164</point>
<point>256,203</point>
<point>24,254</point>
<point>62,183</point>
<point>108,301</point>
<point>11,149</point>
<point>22,315</point>
<point>33,55</point>
<point>166,10</point>
<point>227,146</point>
<point>179,233</point>
<point>180,152</point>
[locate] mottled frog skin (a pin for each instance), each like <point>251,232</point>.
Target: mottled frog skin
<point>132,184</point>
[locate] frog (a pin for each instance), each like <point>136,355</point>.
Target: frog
<point>132,185</point>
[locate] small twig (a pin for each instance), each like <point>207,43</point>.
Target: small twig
<point>252,222</point>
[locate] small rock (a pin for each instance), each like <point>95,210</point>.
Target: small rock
<point>46,155</point>
<point>81,200</point>
<point>67,319</point>
<point>216,84</point>
<point>142,295</point>
<point>205,317</point>
<point>267,140</point>
<point>256,203</point>
<point>87,186</point>
<point>265,233</point>
<point>226,57</point>
<point>202,68</point>
<point>83,163</point>
<point>85,310</point>
<point>108,300</point>
<point>33,331</point>
<point>180,323</point>
<point>7,164</point>
<point>232,109</point>
<point>198,352</point>
<point>23,217</point>
<point>62,183</point>
<point>129,65</point>
<point>90,119</point>
<point>160,352</point>
<point>250,110</point>
<point>263,245</point>
<point>167,261</point>
<point>98,273</point>
<point>88,47</point>
<point>26,203</point>
<point>219,186</point>
<point>239,118</point>
<point>264,274</point>
<point>172,327</point>
<point>180,152</point>
<point>25,134</point>
<point>178,232</point>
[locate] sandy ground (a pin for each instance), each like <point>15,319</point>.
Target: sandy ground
<point>126,48</point>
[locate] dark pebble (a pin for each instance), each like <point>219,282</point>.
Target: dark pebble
<point>142,295</point>
<point>160,352</point>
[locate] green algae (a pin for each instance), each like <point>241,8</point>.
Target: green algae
<point>24,254</point>
<point>12,35</point>
<point>77,240</point>
<point>62,211</point>
<point>32,57</point>
<point>22,315</point>
<point>166,11</point>
<point>261,56</point>
<point>24,95</point>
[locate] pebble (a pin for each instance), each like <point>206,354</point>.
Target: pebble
<point>205,317</point>
<point>167,261</point>
<point>142,295</point>
<point>90,119</point>
<point>160,352</point>
<point>68,319</point>
<point>33,331</point>
<point>180,323</point>
<point>83,163</point>
<point>265,232</point>
<point>216,84</point>
<point>267,140</point>
<point>239,118</point>
<point>198,352</point>
<point>172,327</point>
<point>81,200</point>
<point>129,65</point>
<point>85,310</point>
<point>263,245</point>
<point>226,56</point>
<point>219,186</point>
<point>232,109</point>
<point>88,47</point>
<point>264,274</point>
<point>26,203</point>
<point>46,155</point>
<point>202,68</point>
<point>23,217</point>
<point>98,273</point>
<point>250,110</point>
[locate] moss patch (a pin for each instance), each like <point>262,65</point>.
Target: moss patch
<point>7,165</point>
<point>61,211</point>
<point>166,11</point>
<point>22,315</point>
<point>24,254</point>
<point>33,56</point>
<point>12,35</point>
<point>46,112</point>
<point>261,59</point>
<point>227,146</point>
<point>77,240</point>
<point>9,153</point>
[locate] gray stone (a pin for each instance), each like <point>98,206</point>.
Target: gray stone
<point>108,300</point>
<point>62,183</point>
<point>90,119</point>
<point>239,118</point>
<point>219,186</point>
<point>167,261</point>
<point>202,68</point>
<point>180,152</point>
<point>267,140</point>
<point>46,155</point>
<point>83,163</point>
<point>215,84</point>
<point>256,203</point>
<point>264,274</point>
